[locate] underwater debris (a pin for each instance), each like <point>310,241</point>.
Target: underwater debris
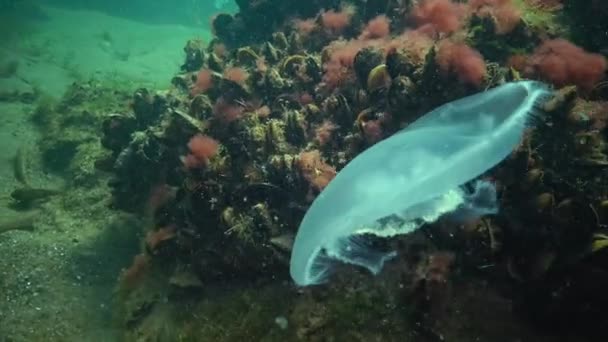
<point>478,132</point>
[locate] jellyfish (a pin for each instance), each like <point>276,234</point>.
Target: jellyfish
<point>412,178</point>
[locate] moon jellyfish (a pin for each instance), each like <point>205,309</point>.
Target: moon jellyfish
<point>417,175</point>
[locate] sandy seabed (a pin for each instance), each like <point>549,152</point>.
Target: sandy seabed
<point>56,282</point>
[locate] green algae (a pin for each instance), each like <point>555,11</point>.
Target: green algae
<point>536,22</point>
<point>539,20</point>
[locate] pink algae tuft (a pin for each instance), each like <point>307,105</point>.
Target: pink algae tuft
<point>462,60</point>
<point>378,27</point>
<point>202,148</point>
<point>563,63</point>
<point>315,170</point>
<point>439,16</point>
<point>204,81</point>
<point>336,21</point>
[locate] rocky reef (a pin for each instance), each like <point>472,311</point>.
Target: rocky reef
<point>224,164</point>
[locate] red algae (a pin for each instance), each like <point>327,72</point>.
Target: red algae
<point>438,16</point>
<point>378,27</point>
<point>324,133</point>
<point>462,60</point>
<point>372,131</point>
<point>132,277</point>
<point>202,148</point>
<point>305,98</point>
<point>191,162</point>
<point>338,67</point>
<point>263,112</point>
<point>336,21</point>
<point>260,64</point>
<point>236,74</point>
<point>415,42</point>
<point>507,18</point>
<point>226,112</point>
<point>204,81</point>
<point>563,63</point>
<point>517,62</point>
<point>305,27</point>
<point>155,238</point>
<point>219,50</point>
<point>159,196</point>
<point>315,170</point>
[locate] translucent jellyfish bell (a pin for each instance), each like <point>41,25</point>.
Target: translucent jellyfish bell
<point>416,175</point>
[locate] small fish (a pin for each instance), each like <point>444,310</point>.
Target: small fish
<point>19,166</point>
<point>25,223</point>
<point>29,195</point>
